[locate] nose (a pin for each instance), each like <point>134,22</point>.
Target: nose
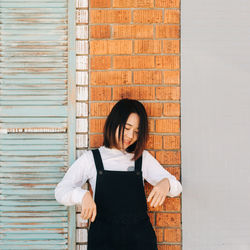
<point>130,134</point>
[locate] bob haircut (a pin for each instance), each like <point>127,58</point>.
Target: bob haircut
<point>118,118</point>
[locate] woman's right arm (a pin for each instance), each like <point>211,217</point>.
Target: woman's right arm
<point>68,191</point>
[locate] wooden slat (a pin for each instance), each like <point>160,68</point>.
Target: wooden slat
<point>34,111</point>
<point>26,11</point>
<point>33,4</point>
<point>40,214</point>
<point>27,245</point>
<point>33,219</point>
<point>34,225</point>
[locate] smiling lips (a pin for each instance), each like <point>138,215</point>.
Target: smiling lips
<point>127,142</point>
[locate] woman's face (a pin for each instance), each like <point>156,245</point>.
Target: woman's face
<point>130,131</point>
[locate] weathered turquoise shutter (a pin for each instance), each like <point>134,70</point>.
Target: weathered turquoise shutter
<point>37,122</point>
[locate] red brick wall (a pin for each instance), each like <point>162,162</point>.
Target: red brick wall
<point>135,53</point>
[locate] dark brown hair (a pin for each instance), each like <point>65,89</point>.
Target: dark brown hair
<point>118,118</point>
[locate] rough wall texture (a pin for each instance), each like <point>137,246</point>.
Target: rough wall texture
<point>134,50</point>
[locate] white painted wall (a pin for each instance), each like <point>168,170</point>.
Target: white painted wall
<point>215,128</point>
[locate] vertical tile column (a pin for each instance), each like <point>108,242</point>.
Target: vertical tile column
<point>81,103</point>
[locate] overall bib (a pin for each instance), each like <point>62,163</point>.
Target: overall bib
<point>122,222</point>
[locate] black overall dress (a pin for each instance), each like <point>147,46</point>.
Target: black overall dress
<point>122,222</point>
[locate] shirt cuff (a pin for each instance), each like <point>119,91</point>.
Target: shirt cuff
<point>175,188</point>
<point>77,195</point>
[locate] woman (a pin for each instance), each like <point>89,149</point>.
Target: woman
<point>116,171</point>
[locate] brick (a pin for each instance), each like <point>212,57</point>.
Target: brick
<point>171,77</point>
<point>100,62</point>
<point>81,109</point>
<point>82,31</point>
<point>133,3</point>
<point>147,16</point>
<point>168,219</point>
<point>96,140</point>
<point>81,141</point>
<point>151,125</point>
<point>152,152</point>
<point>172,235</point>
<point>147,46</point>
<point>147,77</point>
<point>176,171</point>
<point>100,93</point>
<point>82,62</point>
<point>154,142</point>
<point>81,16</point>
<point>159,234</point>
<point>153,109</point>
<point>100,31</point>
<point>139,93</point>
<point>168,93</point>
<point>133,62</point>
<point>101,109</point>
<point>100,3</point>
<point>169,247</point>
<point>167,62</point>
<point>169,157</point>
<point>81,125</point>
<point>111,77</point>
<point>81,3</point>
<point>171,46</point>
<point>171,142</point>
<point>107,47</point>
<point>133,31</point>
<point>96,125</point>
<point>168,125</point>
<point>172,16</point>
<point>110,16</point>
<point>170,205</point>
<point>152,218</point>
<point>147,187</point>
<point>82,78</point>
<point>171,109</point>
<point>167,3</point>
<point>82,47</point>
<point>167,31</point>
<point>82,93</point>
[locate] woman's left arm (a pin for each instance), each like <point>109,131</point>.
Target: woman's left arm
<point>165,184</point>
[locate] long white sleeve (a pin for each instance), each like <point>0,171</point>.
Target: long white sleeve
<point>153,172</point>
<point>68,191</point>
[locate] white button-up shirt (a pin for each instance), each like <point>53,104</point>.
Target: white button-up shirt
<point>69,192</point>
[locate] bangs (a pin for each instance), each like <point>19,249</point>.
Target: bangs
<point>118,118</point>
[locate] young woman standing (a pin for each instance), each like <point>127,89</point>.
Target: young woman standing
<point>116,173</point>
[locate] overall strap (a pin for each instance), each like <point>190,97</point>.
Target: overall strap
<point>98,160</point>
<point>138,164</point>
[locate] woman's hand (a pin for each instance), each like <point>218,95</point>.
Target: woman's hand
<point>159,193</point>
<point>88,207</point>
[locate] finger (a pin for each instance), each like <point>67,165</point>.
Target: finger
<point>94,214</point>
<point>157,202</point>
<point>154,199</point>
<point>152,193</point>
<point>83,213</point>
<point>162,200</point>
<point>89,213</point>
